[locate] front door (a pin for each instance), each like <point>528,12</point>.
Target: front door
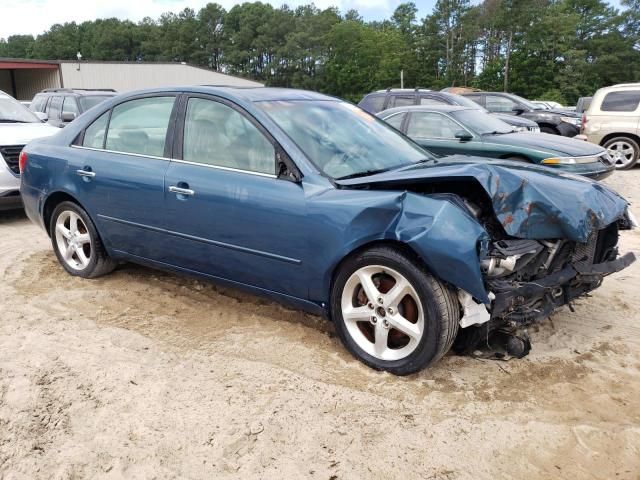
<point>228,215</point>
<point>119,170</point>
<point>437,133</point>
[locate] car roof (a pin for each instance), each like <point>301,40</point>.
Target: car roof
<point>248,94</point>
<point>403,90</point>
<point>425,108</point>
<point>79,91</point>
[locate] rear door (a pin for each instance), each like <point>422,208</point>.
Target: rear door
<point>228,214</point>
<point>119,166</point>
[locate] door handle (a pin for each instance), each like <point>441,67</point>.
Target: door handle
<point>181,191</point>
<point>86,173</point>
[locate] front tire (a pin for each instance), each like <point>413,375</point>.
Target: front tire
<point>390,313</point>
<point>77,244</point>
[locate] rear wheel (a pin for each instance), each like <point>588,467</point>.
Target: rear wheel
<point>624,152</point>
<point>390,313</point>
<point>76,242</point>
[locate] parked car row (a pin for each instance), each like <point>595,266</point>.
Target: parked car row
<point>610,119</point>
<point>392,98</point>
<point>313,202</point>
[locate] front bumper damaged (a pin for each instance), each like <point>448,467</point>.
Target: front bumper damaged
<point>563,286</point>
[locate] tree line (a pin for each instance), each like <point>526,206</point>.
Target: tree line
<point>552,49</point>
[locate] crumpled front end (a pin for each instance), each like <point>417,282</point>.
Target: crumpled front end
<point>549,238</point>
<point>529,279</point>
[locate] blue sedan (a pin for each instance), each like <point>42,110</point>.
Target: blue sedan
<point>315,203</point>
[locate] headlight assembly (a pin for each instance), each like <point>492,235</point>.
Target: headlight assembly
<point>575,121</point>
<point>569,160</point>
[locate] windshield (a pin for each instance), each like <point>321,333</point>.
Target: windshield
<point>343,140</point>
<point>12,111</point>
<point>481,122</point>
<point>92,100</point>
<point>526,103</point>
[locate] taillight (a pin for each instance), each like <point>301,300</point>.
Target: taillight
<point>22,161</point>
<point>583,124</point>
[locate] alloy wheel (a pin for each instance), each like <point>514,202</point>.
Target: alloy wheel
<point>621,152</point>
<point>382,312</point>
<point>73,240</point>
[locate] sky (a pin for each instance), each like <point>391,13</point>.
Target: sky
<point>36,16</point>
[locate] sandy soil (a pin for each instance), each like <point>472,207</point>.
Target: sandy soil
<point>144,374</point>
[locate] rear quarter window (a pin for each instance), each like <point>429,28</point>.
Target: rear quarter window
<point>373,103</point>
<point>621,101</point>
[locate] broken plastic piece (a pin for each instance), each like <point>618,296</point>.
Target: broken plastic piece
<point>474,313</point>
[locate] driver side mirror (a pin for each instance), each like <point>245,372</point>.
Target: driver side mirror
<point>518,110</point>
<point>463,136</point>
<point>42,116</point>
<point>287,170</point>
<point>68,117</point>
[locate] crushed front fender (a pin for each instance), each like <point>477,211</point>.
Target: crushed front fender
<point>437,228</point>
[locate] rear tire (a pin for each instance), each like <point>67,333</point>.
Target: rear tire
<point>624,152</point>
<point>407,320</point>
<point>77,244</point>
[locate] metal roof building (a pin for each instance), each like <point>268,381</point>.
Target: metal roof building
<point>23,78</point>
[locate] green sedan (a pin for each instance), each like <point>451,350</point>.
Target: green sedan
<point>455,130</point>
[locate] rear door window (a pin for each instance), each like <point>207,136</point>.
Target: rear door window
<point>621,101</point>
<point>396,120</point>
<point>402,100</point>
<point>140,126</point>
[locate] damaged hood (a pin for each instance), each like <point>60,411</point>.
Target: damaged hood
<point>529,201</point>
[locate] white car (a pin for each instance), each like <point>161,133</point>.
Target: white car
<point>18,126</point>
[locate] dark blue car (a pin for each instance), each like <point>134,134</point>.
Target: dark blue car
<point>313,202</point>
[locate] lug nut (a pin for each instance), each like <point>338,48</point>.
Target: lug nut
<point>370,306</point>
<point>390,311</point>
<point>385,324</point>
<point>374,320</point>
<point>380,300</point>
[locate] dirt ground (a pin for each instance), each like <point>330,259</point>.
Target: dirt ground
<point>144,374</point>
